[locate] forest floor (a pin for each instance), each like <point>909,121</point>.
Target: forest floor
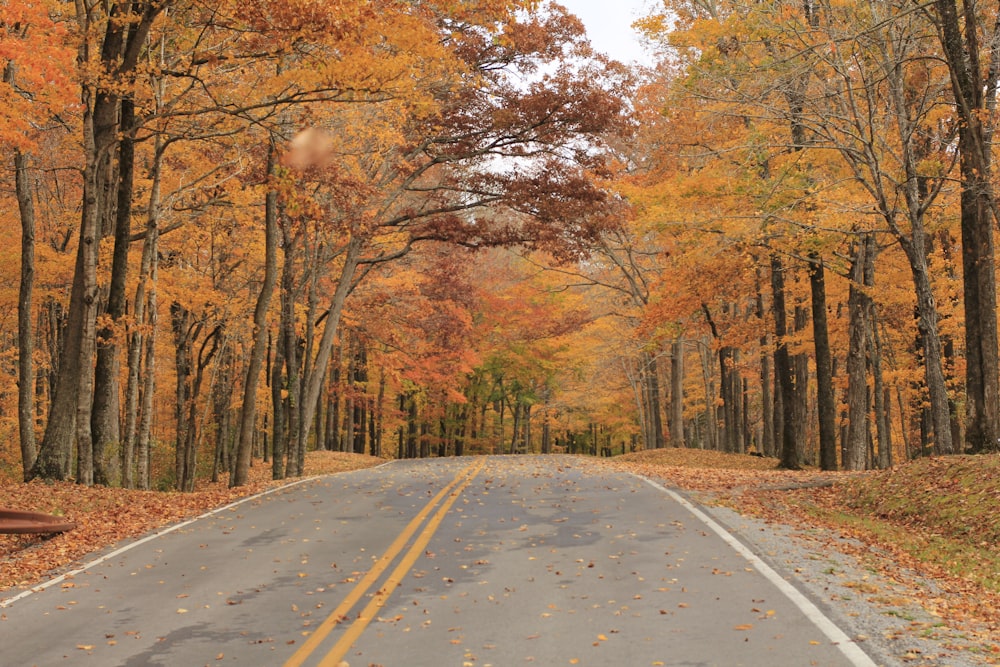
<point>931,527</point>
<point>935,519</point>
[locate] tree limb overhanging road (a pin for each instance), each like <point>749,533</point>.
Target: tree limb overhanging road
<point>463,561</point>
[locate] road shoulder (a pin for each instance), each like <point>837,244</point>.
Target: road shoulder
<point>879,607</point>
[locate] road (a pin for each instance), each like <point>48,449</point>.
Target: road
<point>467,562</point>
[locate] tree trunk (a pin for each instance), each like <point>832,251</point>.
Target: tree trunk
<point>640,394</point>
<point>350,394</point>
<point>411,427</point>
<point>25,331</point>
<point>790,448</point>
<point>857,377</point>
<point>279,412</point>
<point>711,440</point>
<point>360,426</point>
<point>546,435</point>
<point>106,416</point>
<point>800,365</point>
<point>185,331</point>
<point>52,322</point>
<point>975,100</point>
<point>729,389</point>
<point>677,392</point>
<point>655,410</point>
<point>361,400</point>
<point>317,421</point>
<point>927,325</point>
<point>143,458</point>
<point>778,405</point>
<point>136,336</point>
<point>248,419</point>
<point>731,400</point>
<point>222,396</point>
<point>883,418</point>
<point>312,384</point>
<point>286,377</point>
<point>826,400</point>
<point>517,423</point>
<point>81,327</point>
<point>322,415</point>
<point>375,434</point>
<point>293,366</point>
<point>766,447</point>
<point>333,412</point>
<point>209,346</point>
<point>53,459</point>
<point>979,288</point>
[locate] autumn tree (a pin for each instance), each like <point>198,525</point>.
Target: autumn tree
<point>423,186</point>
<point>972,55</point>
<point>32,46</point>
<point>787,86</point>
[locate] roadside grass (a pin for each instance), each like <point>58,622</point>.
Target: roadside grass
<point>944,511</point>
<point>958,557</point>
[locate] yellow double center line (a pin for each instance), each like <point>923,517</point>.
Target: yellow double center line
<point>379,598</point>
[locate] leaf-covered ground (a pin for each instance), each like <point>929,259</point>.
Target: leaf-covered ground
<point>934,519</point>
<point>704,470</point>
<point>105,516</point>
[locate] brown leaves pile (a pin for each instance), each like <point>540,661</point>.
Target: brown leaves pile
<point>105,516</point>
<point>706,470</point>
<point>956,497</point>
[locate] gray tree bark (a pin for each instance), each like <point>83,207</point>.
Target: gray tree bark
<point>25,308</point>
<point>248,416</point>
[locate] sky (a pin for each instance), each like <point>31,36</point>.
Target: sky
<point>608,24</point>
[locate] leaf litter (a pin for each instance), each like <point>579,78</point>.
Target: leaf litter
<point>105,516</point>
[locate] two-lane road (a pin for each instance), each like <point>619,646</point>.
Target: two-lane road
<point>475,561</point>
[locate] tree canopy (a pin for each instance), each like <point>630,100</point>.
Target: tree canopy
<point>247,230</point>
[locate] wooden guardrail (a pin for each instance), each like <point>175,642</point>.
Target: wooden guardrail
<point>18,521</point>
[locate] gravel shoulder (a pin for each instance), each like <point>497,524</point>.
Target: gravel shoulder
<point>876,606</point>
<point>854,565</point>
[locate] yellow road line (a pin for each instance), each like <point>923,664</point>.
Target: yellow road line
<point>324,629</point>
<point>333,658</point>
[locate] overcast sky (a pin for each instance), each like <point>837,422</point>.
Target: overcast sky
<point>609,25</point>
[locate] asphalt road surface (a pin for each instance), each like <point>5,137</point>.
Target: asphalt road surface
<point>466,562</point>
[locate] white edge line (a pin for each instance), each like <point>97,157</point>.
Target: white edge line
<point>837,636</point>
<point>152,536</point>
